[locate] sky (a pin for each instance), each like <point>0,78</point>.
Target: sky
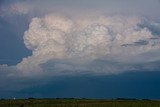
<point>82,49</point>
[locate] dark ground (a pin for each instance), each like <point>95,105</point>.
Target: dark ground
<point>31,102</point>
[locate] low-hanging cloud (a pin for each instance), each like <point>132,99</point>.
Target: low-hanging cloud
<point>95,45</point>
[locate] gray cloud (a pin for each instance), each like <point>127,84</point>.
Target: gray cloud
<point>72,7</point>
<point>103,37</point>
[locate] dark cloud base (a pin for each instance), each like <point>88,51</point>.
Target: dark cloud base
<point>127,85</point>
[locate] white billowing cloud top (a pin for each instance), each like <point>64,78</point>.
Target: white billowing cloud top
<point>96,45</point>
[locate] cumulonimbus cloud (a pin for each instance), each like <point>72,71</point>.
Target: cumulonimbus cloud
<point>73,42</point>
<point>104,44</point>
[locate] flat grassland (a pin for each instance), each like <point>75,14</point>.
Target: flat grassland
<point>77,103</point>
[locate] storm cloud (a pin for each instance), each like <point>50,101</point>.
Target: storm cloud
<point>70,38</point>
<point>93,45</point>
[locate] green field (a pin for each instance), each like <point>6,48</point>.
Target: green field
<point>77,103</point>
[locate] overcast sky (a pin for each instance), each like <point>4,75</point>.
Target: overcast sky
<point>46,44</point>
